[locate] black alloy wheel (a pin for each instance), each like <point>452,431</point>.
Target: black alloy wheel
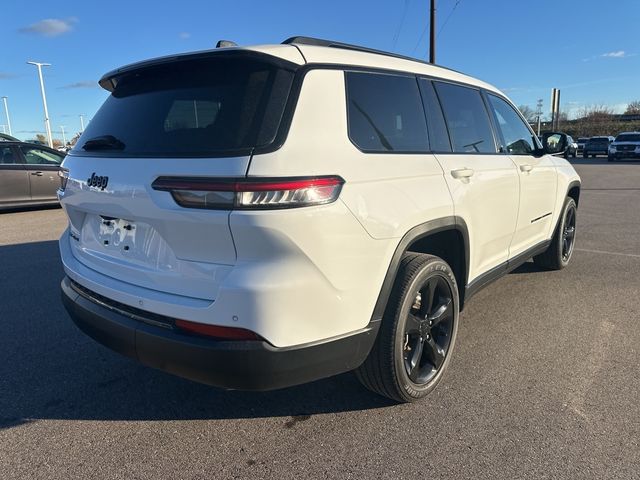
<point>418,331</point>
<point>568,232</point>
<point>428,330</point>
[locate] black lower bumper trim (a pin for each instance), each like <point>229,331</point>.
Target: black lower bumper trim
<point>242,365</point>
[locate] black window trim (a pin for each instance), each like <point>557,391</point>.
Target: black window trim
<point>300,71</point>
<point>426,115</point>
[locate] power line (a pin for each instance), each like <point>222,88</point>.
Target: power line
<point>396,36</point>
<point>449,16</point>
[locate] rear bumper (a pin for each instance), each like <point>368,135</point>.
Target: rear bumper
<point>243,365</point>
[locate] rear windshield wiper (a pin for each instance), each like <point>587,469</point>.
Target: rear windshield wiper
<point>105,142</point>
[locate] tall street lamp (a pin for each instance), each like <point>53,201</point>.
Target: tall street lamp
<point>64,139</point>
<point>6,111</point>
<point>81,122</point>
<point>44,100</point>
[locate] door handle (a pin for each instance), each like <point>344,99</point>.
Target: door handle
<point>39,174</point>
<point>526,168</point>
<point>462,173</point>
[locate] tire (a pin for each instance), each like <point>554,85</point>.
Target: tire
<point>559,254</point>
<point>584,154</point>
<point>611,158</point>
<point>416,337</point>
<point>575,154</point>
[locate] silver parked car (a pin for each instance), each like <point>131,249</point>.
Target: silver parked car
<point>28,174</point>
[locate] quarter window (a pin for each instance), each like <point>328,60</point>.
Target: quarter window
<point>466,118</point>
<point>385,113</point>
<point>516,135</point>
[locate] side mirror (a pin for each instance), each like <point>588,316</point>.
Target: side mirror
<point>554,143</point>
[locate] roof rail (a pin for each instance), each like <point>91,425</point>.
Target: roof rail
<point>301,40</point>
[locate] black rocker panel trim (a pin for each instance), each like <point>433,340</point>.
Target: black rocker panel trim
<point>496,272</point>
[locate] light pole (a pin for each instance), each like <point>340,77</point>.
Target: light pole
<point>81,123</point>
<point>64,139</point>
<point>44,100</point>
<point>6,111</point>
<point>4,130</point>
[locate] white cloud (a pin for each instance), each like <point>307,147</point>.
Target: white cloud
<point>184,35</point>
<point>50,27</point>
<point>616,54</point>
<point>83,84</point>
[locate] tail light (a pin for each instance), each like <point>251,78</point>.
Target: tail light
<point>63,174</point>
<point>223,333</point>
<point>250,194</point>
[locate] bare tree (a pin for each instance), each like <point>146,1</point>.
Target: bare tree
<point>528,113</point>
<point>41,138</point>
<point>633,108</point>
<point>595,112</point>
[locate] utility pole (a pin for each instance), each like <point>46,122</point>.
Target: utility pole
<point>64,139</point>
<point>432,39</point>
<point>44,100</point>
<point>539,113</point>
<point>81,122</point>
<point>555,109</point>
<point>6,111</point>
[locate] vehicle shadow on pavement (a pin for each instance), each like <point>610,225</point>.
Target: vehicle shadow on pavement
<point>602,161</point>
<point>50,370</point>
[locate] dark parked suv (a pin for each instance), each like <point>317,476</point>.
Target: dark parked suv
<point>597,146</point>
<point>626,145</point>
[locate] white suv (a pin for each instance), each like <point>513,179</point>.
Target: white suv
<point>259,217</point>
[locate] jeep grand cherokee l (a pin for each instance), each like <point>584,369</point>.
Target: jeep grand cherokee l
<point>259,217</point>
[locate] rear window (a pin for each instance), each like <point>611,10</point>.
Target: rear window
<point>628,137</point>
<point>204,107</point>
<point>385,113</point>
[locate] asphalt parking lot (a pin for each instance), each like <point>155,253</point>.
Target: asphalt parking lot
<point>544,383</point>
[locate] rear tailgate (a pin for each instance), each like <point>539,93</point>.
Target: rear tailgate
<point>142,236</point>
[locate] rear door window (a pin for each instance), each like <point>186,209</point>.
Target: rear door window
<point>385,113</point>
<point>467,119</point>
<point>205,107</point>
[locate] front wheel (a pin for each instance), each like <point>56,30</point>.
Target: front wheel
<point>418,331</point>
<point>610,158</point>
<point>559,253</point>
<point>585,154</point>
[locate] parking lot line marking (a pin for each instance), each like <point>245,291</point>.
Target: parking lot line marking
<point>608,253</point>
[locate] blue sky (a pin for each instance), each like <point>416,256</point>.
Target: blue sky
<point>588,49</point>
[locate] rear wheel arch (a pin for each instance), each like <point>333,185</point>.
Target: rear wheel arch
<point>447,238</point>
<point>573,191</point>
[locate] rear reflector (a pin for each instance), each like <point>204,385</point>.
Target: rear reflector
<point>247,194</point>
<point>225,333</point>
